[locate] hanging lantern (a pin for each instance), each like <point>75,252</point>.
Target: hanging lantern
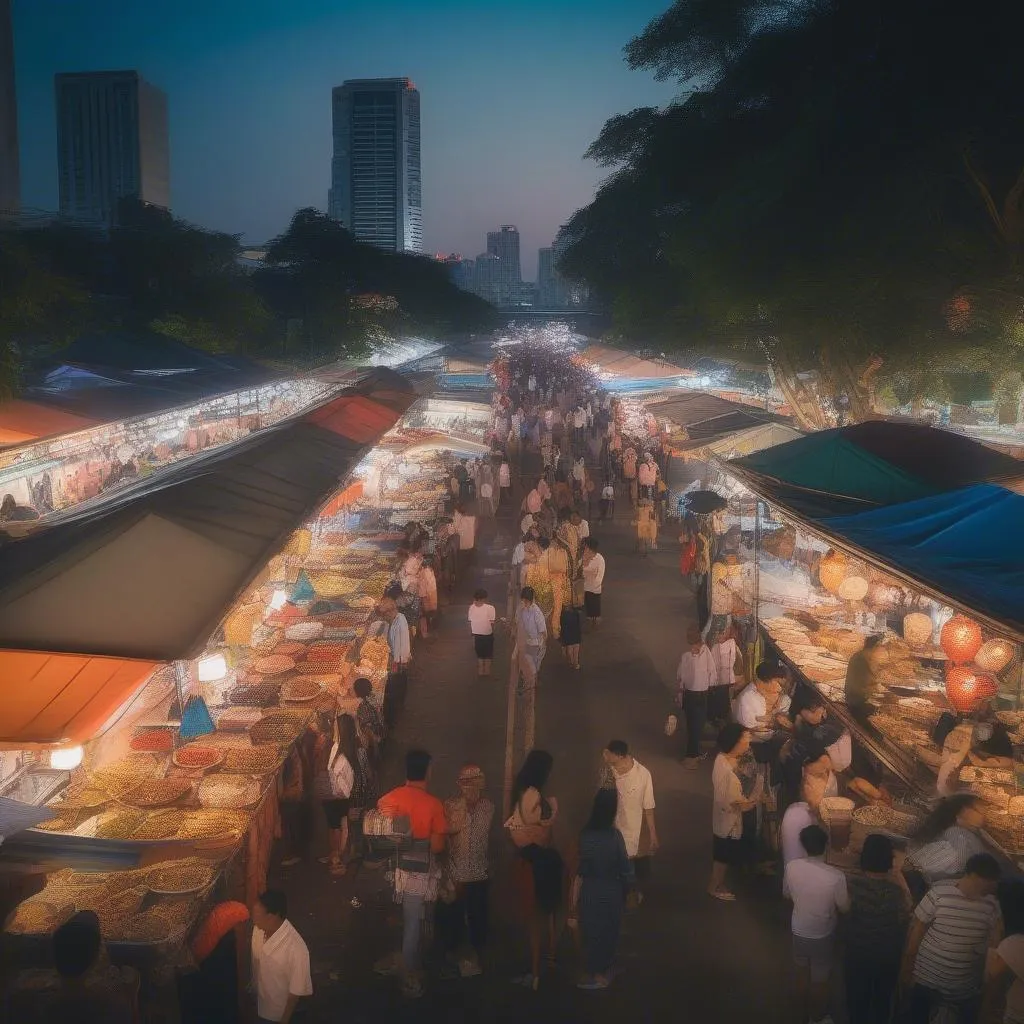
<point>832,570</point>
<point>962,688</point>
<point>853,588</point>
<point>917,629</point>
<point>882,595</point>
<point>987,688</point>
<point>961,639</point>
<point>994,655</point>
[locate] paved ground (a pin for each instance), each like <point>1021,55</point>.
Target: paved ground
<point>685,957</point>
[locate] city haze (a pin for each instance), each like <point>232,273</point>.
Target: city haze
<point>511,98</point>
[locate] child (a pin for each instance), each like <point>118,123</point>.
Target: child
<point>481,623</point>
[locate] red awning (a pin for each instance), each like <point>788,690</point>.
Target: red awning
<point>356,417</point>
<point>22,422</point>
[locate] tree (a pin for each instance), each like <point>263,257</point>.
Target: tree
<point>823,190</point>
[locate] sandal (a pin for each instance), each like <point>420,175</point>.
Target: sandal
<point>723,894</point>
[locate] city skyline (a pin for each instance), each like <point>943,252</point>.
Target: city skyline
<point>249,87</point>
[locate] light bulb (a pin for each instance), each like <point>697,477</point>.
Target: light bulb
<point>212,668</point>
<point>66,758</point>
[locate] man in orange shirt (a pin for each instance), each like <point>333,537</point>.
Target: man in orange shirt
<point>414,877</point>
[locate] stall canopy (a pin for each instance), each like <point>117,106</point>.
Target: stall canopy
<point>835,472</point>
<point>627,364</point>
<point>21,422</point>
<point>53,698</point>
<point>693,407</point>
<point>753,439</point>
<point>149,575</point>
<point>964,546</point>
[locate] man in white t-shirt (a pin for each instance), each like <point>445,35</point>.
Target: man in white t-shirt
<point>593,580</point>
<point>636,807</point>
<point>582,526</point>
<point>819,896</point>
<point>481,623</point>
<point>280,959</point>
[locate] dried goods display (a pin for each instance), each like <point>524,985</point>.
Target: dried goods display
<point>302,688</point>
<point>37,916</point>
<point>197,756</point>
<point>276,727</point>
<point>173,878</point>
<point>273,665</point>
<point>159,825</point>
<point>159,740</point>
<point>252,760</point>
<point>264,695</point>
<point>122,775</point>
<point>222,790</point>
<point>146,928</point>
<point>238,719</point>
<point>157,792</point>
<point>212,824</point>
<point>305,631</point>
<point>119,824</point>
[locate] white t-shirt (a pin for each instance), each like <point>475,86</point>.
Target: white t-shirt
<point>818,892</point>
<point>1011,951</point>
<point>608,492</point>
<point>280,968</point>
<point>636,795</point>
<point>481,619</point>
<point>751,705</point>
<point>696,672</point>
<point>797,817</point>
<point>583,529</point>
<point>726,820</point>
<point>593,574</point>
<point>725,654</point>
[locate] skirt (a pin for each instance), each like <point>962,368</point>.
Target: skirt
<point>484,646</point>
<point>592,604</point>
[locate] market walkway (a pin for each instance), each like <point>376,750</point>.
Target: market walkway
<point>685,957</point>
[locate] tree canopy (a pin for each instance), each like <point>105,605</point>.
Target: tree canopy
<point>841,180</point>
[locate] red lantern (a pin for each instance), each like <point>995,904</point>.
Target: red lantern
<point>987,688</point>
<point>963,688</point>
<point>960,639</point>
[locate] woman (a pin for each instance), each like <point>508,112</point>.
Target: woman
<point>728,846</point>
<point>876,927</point>
<point>1004,973</point>
<point>571,634</point>
<point>948,838</point>
<point>426,586</point>
<point>646,527</point>
<point>538,575</point>
<point>539,867</point>
<point>337,753</point>
<point>605,873</point>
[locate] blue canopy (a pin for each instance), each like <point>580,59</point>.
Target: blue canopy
<point>966,546</point>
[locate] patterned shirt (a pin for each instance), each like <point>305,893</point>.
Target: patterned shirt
<point>877,922</point>
<point>469,839</point>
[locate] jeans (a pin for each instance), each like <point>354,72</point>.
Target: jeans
<point>695,704</point>
<point>869,989</point>
<point>412,914</point>
<point>469,909</point>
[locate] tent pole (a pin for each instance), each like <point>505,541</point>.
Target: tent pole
<point>753,654</point>
<point>182,681</point>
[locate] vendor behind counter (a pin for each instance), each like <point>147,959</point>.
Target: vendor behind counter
<point>991,746</point>
<point>862,676</point>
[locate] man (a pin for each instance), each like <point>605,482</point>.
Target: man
<point>531,637</point>
<point>429,827</point>
<point>582,526</point>
<point>481,625</point>
<point>469,816</point>
<point>593,580</point>
<point>819,895</point>
<point>952,929</point>
<point>799,815</point>
<point>465,525</point>
<point>861,684</point>
<point>696,674</point>
<point>280,959</point>
<point>761,705</point>
<point>636,808</point>
<point>400,646</point>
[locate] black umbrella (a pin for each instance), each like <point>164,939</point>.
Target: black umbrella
<point>702,503</point>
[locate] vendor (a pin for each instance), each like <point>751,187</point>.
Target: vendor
<point>861,676</point>
<point>991,746</point>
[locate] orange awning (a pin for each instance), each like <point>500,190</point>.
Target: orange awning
<point>356,417</point>
<point>49,698</point>
<point>353,492</point>
<point>21,422</point>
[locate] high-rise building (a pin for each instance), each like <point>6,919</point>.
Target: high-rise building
<point>504,244</point>
<point>10,173</point>
<point>376,188</point>
<point>112,143</point>
<point>460,270</point>
<point>488,279</point>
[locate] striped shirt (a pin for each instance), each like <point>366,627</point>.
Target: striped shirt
<point>951,958</point>
<point>947,856</point>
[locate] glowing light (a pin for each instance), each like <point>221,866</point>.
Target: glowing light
<point>212,668</point>
<point>278,600</point>
<point>66,758</point>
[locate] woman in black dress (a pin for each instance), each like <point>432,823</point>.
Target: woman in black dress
<point>571,634</point>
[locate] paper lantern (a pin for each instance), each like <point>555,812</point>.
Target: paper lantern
<point>917,629</point>
<point>883,595</point>
<point>961,639</point>
<point>963,688</point>
<point>832,571</point>
<point>994,655</point>
<point>853,588</point>
<point>987,688</point>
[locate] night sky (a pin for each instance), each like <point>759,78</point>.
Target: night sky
<point>512,95</point>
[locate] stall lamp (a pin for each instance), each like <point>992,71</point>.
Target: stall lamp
<point>278,600</point>
<point>66,758</point>
<point>211,669</point>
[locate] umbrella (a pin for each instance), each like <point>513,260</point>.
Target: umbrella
<point>705,502</point>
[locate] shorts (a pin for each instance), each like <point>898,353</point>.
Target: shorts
<point>484,646</point>
<point>641,868</point>
<point>815,955</point>
<point>728,851</point>
<point>592,604</point>
<point>335,811</point>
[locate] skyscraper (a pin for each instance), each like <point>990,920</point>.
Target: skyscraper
<point>10,173</point>
<point>504,244</point>
<point>112,143</point>
<point>376,189</point>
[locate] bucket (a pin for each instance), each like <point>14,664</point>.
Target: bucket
<point>837,814</point>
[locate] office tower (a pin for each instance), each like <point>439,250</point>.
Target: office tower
<point>376,189</point>
<point>10,173</point>
<point>488,278</point>
<point>504,244</point>
<point>112,143</point>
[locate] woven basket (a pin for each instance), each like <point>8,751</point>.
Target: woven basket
<point>879,818</point>
<point>1006,829</point>
<point>238,626</point>
<point>334,584</point>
